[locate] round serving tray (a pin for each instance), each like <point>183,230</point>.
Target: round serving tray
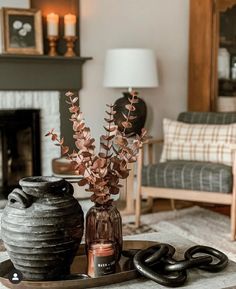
<point>125,272</point>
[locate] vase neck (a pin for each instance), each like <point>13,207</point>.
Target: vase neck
<point>104,205</point>
<point>43,186</point>
<point>127,95</point>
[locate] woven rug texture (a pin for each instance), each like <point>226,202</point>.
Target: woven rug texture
<point>197,224</point>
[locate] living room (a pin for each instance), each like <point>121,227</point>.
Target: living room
<point>187,199</point>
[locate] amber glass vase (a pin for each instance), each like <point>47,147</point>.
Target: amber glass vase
<point>103,237</point>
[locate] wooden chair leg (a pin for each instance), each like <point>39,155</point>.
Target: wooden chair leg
<point>138,208</point>
<point>233,205</point>
<point>150,203</point>
<point>139,190</point>
<point>172,204</point>
<point>233,222</point>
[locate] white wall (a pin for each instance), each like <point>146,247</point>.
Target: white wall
<point>161,25</point>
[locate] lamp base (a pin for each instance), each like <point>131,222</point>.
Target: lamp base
<point>140,113</point>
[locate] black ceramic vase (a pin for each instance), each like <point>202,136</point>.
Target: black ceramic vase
<point>42,226</point>
<point>140,113</point>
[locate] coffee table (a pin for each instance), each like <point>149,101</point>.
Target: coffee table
<point>197,279</point>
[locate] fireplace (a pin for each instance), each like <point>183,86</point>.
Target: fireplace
<point>19,146</point>
<point>48,104</point>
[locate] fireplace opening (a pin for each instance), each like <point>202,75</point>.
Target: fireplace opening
<point>19,147</point>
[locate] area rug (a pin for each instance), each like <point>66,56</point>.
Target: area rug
<point>129,229</point>
<point>2,248</point>
<point>199,225</point>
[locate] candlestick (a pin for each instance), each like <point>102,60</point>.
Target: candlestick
<point>70,41</point>
<point>69,25</point>
<point>52,45</point>
<point>52,24</point>
<point>101,259</point>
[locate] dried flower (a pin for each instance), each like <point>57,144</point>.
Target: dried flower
<point>101,172</point>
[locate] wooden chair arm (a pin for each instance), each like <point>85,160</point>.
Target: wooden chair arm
<point>150,144</point>
<point>153,141</point>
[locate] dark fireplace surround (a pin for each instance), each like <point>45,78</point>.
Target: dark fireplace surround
<point>20,152</point>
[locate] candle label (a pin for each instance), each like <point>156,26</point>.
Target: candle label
<point>104,265</point>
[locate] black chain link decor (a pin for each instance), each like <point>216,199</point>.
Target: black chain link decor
<point>158,264</point>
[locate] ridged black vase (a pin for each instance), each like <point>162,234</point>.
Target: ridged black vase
<point>42,226</point>
<point>140,113</point>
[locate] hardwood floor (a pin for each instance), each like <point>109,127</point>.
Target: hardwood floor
<point>165,205</point>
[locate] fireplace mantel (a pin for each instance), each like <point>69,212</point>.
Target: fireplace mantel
<point>43,72</point>
<point>39,74</point>
<point>32,72</point>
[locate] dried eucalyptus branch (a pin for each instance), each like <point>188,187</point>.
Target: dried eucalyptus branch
<point>101,172</point>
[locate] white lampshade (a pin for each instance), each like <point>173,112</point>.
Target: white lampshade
<point>130,68</point>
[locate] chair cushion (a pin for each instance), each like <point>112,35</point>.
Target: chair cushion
<point>208,117</point>
<point>188,175</point>
<point>198,142</point>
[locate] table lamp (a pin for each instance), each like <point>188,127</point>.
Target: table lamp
<point>130,68</point>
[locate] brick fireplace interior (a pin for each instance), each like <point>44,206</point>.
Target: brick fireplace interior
<point>19,147</point>
<point>25,118</point>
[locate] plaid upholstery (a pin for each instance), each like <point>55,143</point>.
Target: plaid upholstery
<point>198,142</point>
<point>208,117</point>
<point>188,175</point>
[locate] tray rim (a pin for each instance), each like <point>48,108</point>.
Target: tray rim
<point>85,283</point>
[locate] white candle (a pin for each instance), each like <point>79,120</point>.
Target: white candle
<point>69,22</point>
<point>52,24</point>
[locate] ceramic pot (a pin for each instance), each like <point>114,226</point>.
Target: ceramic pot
<point>140,113</point>
<point>42,226</point>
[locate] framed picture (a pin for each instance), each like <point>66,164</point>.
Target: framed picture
<point>26,4</point>
<point>22,29</point>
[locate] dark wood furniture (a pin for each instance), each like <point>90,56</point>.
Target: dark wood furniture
<point>208,32</point>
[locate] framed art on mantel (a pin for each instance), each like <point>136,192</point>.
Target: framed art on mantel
<point>24,4</point>
<point>22,31</point>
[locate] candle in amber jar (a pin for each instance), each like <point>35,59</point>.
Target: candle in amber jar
<point>70,25</point>
<point>52,24</point>
<point>101,259</point>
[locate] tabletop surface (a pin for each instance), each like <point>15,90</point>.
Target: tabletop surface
<point>197,279</point>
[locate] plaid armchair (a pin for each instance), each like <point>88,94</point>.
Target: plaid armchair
<point>200,181</point>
